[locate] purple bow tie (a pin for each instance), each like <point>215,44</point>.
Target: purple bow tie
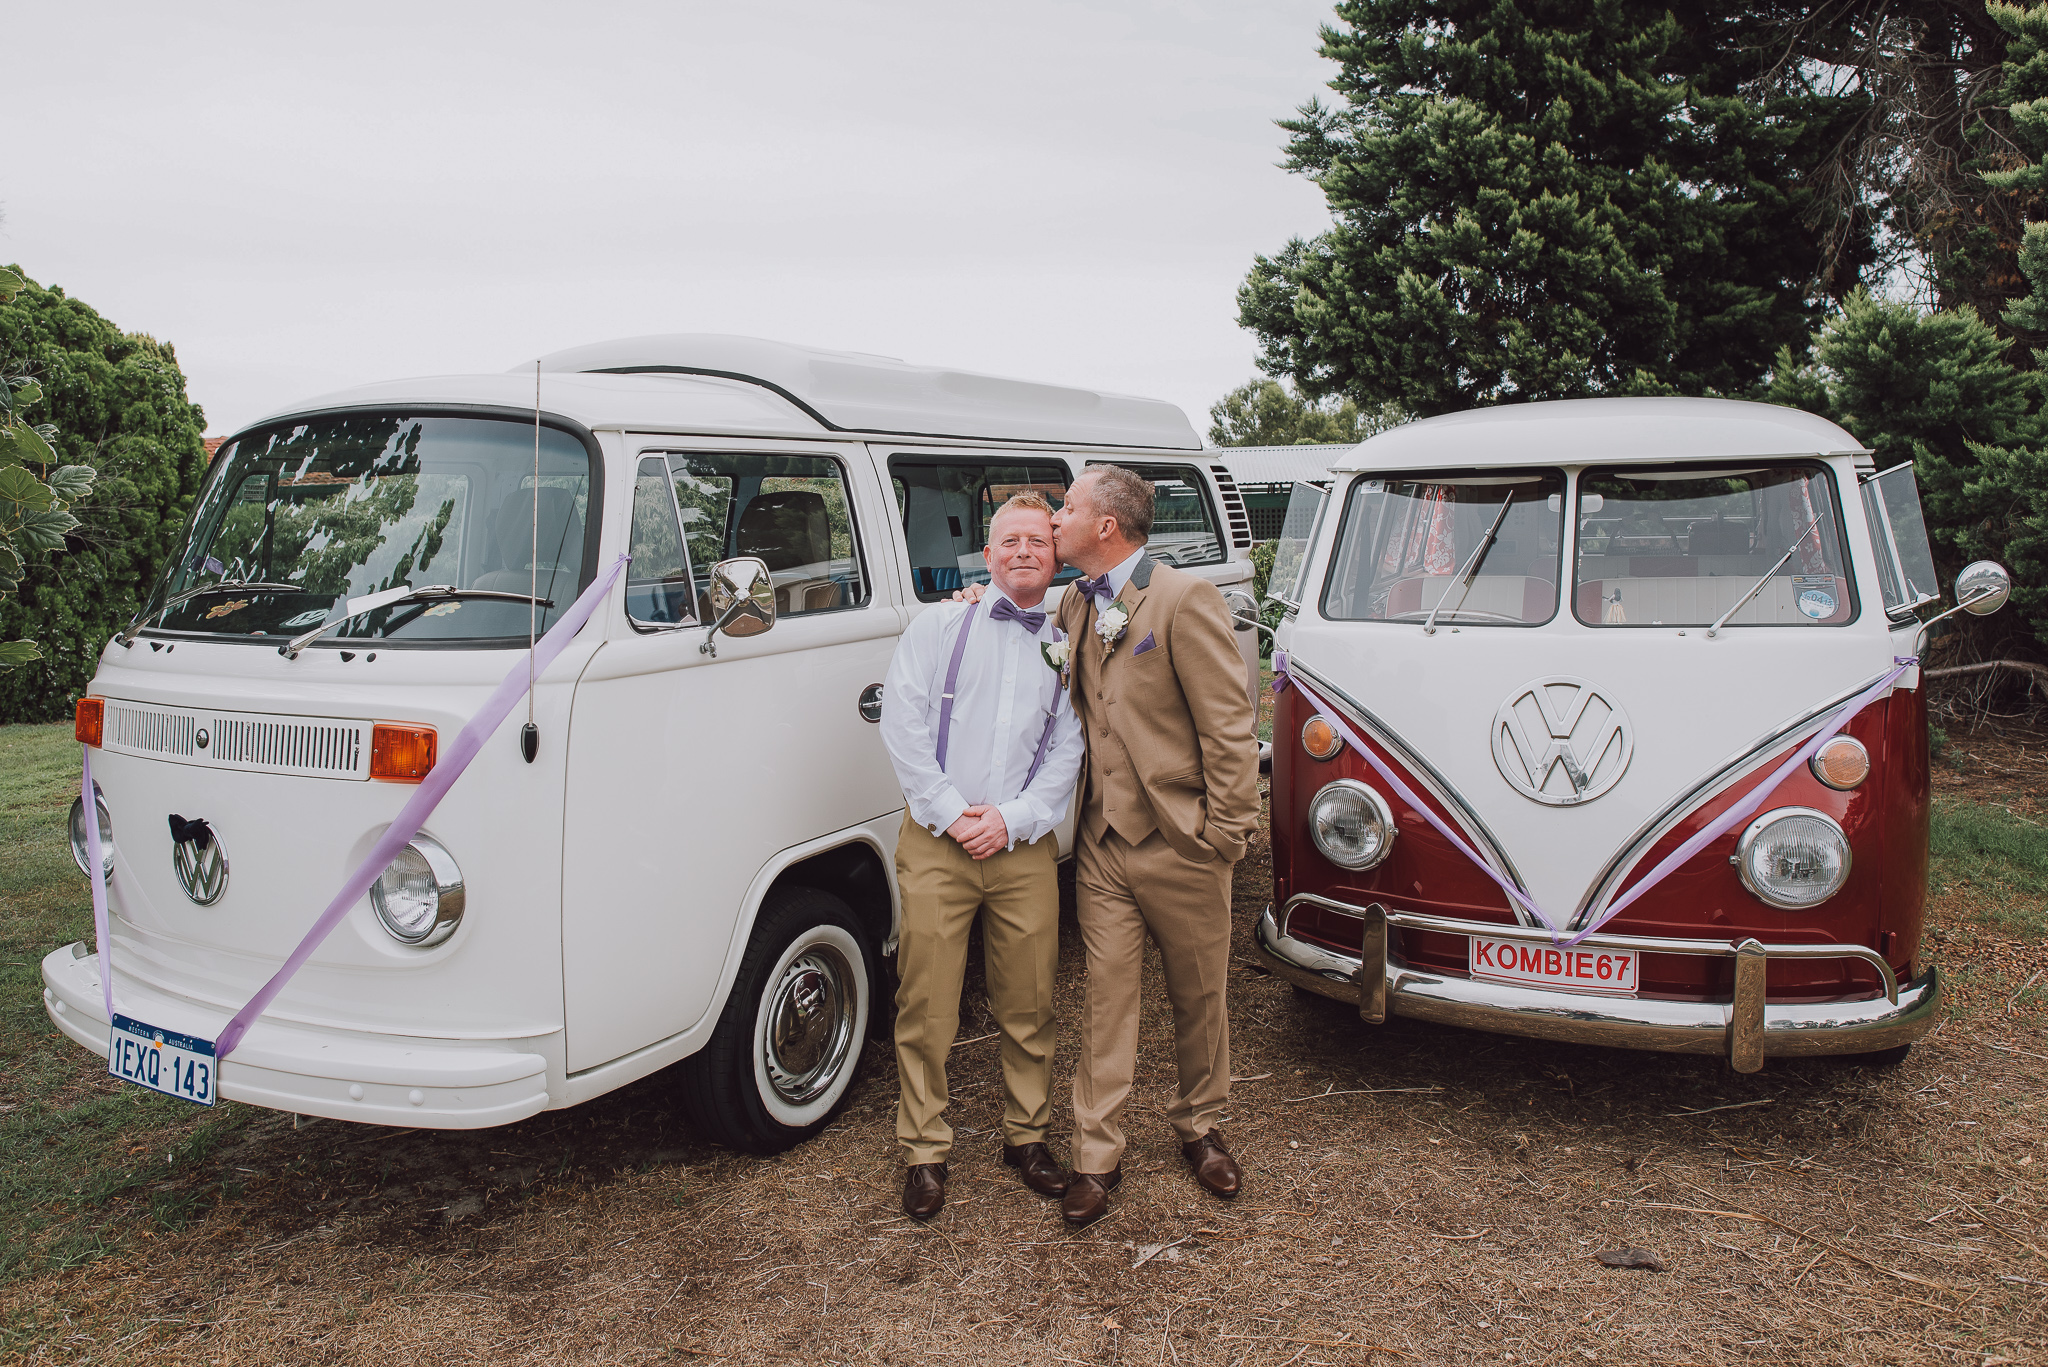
<point>1097,589</point>
<point>1007,611</point>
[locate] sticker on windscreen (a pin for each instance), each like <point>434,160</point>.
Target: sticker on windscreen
<point>1815,594</point>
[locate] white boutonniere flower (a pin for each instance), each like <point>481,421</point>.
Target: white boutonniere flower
<point>1056,654</point>
<point>1110,624</point>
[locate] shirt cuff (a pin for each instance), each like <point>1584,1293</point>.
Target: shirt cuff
<point>1019,821</point>
<point>938,812</point>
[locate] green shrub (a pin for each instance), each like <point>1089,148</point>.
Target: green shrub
<point>117,403</point>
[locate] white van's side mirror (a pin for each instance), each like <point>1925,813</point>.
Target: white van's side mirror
<point>742,600</point>
<point>1983,587</point>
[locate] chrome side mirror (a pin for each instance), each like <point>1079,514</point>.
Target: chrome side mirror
<point>1242,609</point>
<point>1983,587</point>
<point>742,600</point>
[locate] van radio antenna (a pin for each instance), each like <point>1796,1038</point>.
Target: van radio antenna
<point>529,735</point>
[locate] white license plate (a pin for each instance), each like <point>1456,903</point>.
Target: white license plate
<point>164,1061</point>
<point>1609,972</point>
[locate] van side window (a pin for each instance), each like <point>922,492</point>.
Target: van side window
<point>1184,527</point>
<point>790,511</point>
<point>946,504</point>
<point>658,585</point>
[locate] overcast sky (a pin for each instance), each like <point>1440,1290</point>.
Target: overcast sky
<point>301,199</point>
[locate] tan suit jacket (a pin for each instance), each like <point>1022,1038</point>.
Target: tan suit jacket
<point>1176,715</point>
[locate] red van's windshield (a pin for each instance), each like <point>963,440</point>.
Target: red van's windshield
<point>297,519</point>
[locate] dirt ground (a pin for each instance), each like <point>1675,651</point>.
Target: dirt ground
<point>1415,1194</point>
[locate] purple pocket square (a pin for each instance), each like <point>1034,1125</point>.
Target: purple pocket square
<point>1147,644</point>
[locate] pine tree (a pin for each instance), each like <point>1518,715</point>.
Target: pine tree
<point>1545,199</point>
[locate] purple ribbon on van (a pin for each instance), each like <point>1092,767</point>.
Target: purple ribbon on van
<point>397,835</point>
<point>1714,830</point>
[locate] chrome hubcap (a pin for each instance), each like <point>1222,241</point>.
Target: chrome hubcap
<point>810,1024</point>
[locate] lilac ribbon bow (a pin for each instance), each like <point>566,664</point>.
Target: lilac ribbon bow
<point>1096,588</point>
<point>1006,611</point>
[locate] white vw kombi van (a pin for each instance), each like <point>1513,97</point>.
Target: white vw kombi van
<point>695,862</point>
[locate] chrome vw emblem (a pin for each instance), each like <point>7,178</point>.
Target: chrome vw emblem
<point>1560,741</point>
<point>199,860</point>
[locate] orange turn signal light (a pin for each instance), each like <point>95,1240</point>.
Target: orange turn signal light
<point>402,754</point>
<point>1842,763</point>
<point>1320,739</point>
<point>91,720</point>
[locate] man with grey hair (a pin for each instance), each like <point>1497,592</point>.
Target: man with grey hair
<point>986,746</point>
<point>1170,799</point>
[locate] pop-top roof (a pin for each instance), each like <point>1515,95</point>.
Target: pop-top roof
<point>1579,431</point>
<point>1306,461</point>
<point>851,392</point>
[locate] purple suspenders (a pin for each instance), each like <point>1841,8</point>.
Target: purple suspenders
<point>953,679</point>
<point>952,682</point>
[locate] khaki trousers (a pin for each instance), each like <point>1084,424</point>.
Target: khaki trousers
<point>1017,894</point>
<point>1125,891</point>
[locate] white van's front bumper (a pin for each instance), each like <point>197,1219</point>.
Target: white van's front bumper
<point>1746,1029</point>
<point>379,1079</point>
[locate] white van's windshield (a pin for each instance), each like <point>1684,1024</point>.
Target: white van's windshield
<point>1680,547</point>
<point>299,518</point>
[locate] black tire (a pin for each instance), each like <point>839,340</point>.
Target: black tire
<point>1883,1058</point>
<point>789,1041</point>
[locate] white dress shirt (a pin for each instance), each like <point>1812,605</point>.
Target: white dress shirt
<point>1001,700</point>
<point>1121,575</point>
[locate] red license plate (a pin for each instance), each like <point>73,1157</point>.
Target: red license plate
<point>1610,972</point>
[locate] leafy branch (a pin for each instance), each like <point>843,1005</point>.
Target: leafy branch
<point>35,506</point>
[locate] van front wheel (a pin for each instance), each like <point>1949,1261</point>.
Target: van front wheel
<point>789,1040</point>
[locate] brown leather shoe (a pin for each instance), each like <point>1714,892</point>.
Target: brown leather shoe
<point>1039,1169</point>
<point>1087,1198</point>
<point>924,1190</point>
<point>1213,1166</point>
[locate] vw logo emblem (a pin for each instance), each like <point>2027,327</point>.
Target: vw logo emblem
<point>1560,741</point>
<point>199,860</point>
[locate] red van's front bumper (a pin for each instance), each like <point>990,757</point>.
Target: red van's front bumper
<point>1747,1029</point>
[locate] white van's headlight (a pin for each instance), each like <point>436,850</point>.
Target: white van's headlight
<point>1351,824</point>
<point>1793,858</point>
<point>77,828</point>
<point>419,896</point>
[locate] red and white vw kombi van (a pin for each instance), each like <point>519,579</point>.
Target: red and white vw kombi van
<point>1601,721</point>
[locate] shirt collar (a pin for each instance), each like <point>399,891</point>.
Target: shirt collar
<point>989,601</point>
<point>1121,575</point>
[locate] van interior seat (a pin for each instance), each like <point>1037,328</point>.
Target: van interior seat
<point>789,530</point>
<point>561,533</point>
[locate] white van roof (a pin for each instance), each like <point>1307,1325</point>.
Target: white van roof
<point>709,382</point>
<point>1606,431</point>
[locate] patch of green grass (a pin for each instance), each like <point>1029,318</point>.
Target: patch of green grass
<point>85,1161</point>
<point>2003,856</point>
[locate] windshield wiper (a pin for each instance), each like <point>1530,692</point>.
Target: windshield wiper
<point>217,586</point>
<point>1471,570</point>
<point>404,593</point>
<point>1758,586</point>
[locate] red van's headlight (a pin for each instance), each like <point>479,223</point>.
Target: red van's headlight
<point>1351,824</point>
<point>1793,858</point>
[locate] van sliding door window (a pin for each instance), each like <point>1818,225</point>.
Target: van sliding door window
<point>1184,528</point>
<point>1410,543</point>
<point>946,505</point>
<point>1680,547</point>
<point>789,511</point>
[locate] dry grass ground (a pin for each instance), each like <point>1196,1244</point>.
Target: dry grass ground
<point>1415,1195</point>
